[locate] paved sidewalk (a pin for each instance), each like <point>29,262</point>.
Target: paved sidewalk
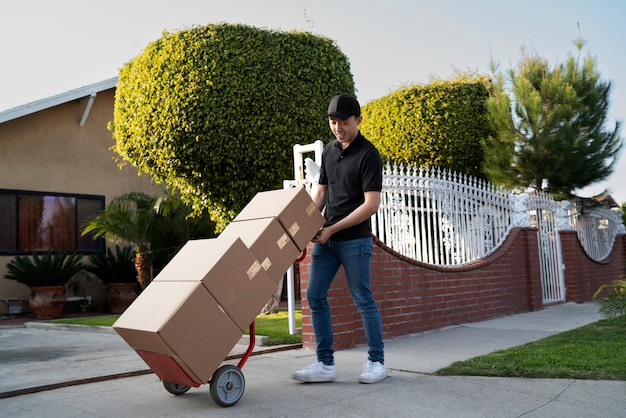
<point>32,356</point>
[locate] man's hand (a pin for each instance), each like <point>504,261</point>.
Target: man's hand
<point>323,235</point>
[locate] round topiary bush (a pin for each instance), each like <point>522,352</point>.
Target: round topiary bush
<point>214,111</point>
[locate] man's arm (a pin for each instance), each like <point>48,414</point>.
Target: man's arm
<point>319,196</point>
<point>360,214</point>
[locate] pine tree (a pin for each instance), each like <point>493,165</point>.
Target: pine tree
<point>551,126</point>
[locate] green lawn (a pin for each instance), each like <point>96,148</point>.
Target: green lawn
<point>104,321</point>
<point>275,326</point>
<point>595,351</point>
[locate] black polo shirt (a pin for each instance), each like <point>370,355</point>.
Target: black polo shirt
<point>349,173</point>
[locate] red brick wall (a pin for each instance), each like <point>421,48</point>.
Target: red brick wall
<point>415,297</point>
<point>583,276</point>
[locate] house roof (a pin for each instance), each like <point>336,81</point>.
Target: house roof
<point>58,99</point>
<point>606,199</point>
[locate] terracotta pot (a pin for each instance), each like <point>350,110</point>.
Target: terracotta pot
<point>47,302</point>
<point>120,296</point>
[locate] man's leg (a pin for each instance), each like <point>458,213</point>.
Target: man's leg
<point>324,266</point>
<point>356,258</point>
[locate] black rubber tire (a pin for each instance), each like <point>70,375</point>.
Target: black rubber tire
<point>175,388</point>
<point>227,385</point>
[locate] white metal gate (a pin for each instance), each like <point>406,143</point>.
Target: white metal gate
<point>543,217</point>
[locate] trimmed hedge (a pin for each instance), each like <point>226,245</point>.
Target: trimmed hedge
<point>214,111</point>
<point>440,124</point>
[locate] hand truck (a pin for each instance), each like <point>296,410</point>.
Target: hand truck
<point>227,383</point>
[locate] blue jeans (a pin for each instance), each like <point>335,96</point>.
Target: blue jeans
<point>355,256</point>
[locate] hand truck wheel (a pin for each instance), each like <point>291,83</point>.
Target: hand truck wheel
<point>227,385</point>
<point>175,388</point>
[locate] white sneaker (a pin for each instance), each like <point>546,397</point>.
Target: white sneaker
<point>373,371</point>
<point>316,373</point>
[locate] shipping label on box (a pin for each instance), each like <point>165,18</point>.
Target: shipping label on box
<point>268,241</point>
<point>293,208</point>
<point>229,271</point>
<point>181,320</point>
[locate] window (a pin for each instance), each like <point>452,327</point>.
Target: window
<point>31,221</point>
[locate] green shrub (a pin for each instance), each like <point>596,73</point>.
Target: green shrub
<point>440,124</point>
<point>613,298</point>
<point>50,269</point>
<point>118,267</point>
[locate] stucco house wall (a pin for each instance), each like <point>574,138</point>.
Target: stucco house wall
<point>45,149</point>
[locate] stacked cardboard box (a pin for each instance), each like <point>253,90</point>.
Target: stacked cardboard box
<point>229,271</point>
<point>268,241</point>
<point>179,330</point>
<point>184,324</point>
<point>293,208</point>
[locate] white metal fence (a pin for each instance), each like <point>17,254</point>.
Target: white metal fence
<point>444,218</point>
<point>596,228</point>
<point>441,217</point>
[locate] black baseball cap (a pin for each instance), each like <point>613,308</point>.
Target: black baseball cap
<point>343,106</point>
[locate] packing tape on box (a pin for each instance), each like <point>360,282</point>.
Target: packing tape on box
<point>267,263</point>
<point>311,209</point>
<point>294,228</point>
<point>254,270</point>
<point>283,241</point>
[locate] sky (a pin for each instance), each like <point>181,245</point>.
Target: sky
<point>50,47</point>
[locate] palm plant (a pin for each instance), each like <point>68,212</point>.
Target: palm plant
<point>131,218</point>
<point>175,227</point>
<point>52,268</point>
<point>114,267</point>
<point>155,226</point>
<point>613,298</point>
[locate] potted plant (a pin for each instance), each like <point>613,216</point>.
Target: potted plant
<point>116,270</point>
<point>46,275</point>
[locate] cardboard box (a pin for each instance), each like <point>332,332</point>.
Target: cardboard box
<point>182,321</point>
<point>229,271</point>
<point>294,209</point>
<point>269,243</point>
